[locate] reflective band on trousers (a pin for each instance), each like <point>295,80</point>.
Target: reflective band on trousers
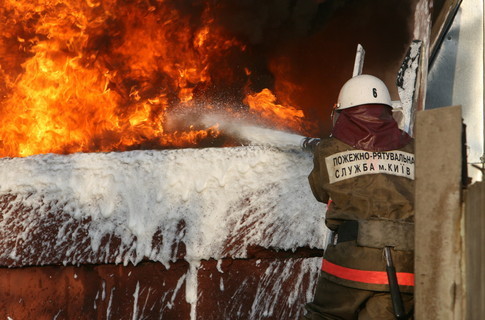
<point>372,277</point>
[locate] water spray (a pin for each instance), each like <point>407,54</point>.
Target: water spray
<point>261,136</point>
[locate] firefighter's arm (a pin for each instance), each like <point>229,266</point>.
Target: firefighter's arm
<point>315,180</point>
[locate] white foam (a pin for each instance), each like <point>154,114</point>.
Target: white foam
<point>217,202</point>
<point>220,197</point>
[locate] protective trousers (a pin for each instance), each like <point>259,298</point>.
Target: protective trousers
<point>334,301</point>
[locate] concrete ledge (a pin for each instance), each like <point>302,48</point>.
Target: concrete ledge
<point>438,240</point>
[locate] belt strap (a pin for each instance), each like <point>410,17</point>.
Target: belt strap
<point>378,233</point>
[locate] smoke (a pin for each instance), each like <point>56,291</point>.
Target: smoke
<point>264,22</point>
<point>304,49</point>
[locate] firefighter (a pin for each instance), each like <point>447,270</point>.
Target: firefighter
<point>365,173</point>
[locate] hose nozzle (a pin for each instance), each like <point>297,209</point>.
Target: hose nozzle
<point>309,144</point>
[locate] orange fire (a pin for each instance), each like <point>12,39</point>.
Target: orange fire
<point>105,75</point>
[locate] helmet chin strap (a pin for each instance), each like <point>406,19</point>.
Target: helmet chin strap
<point>335,114</point>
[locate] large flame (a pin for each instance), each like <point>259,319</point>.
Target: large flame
<point>91,75</point>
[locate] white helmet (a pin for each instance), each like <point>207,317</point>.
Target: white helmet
<point>363,89</point>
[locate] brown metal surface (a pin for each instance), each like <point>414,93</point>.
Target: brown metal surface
<point>475,251</point>
<point>255,289</point>
<point>147,291</point>
<point>231,289</point>
<point>42,246</point>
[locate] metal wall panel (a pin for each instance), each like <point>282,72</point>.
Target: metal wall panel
<point>456,76</point>
<point>475,251</point>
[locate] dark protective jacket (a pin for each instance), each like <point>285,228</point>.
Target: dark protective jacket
<point>370,176</point>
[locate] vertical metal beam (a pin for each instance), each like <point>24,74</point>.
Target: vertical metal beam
<point>438,256</point>
<point>422,31</point>
<point>359,61</point>
<point>482,158</point>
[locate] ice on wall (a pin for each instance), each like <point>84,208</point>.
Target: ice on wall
<point>276,276</point>
<point>406,85</point>
<point>207,203</point>
<point>281,291</point>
